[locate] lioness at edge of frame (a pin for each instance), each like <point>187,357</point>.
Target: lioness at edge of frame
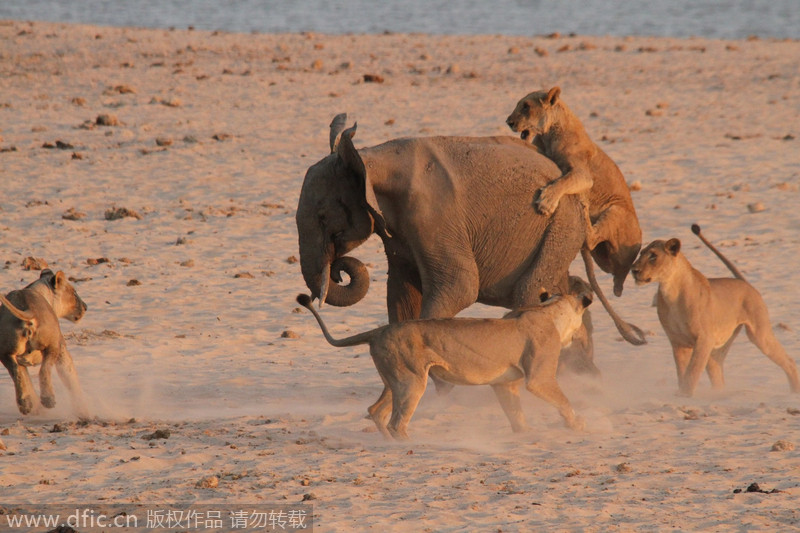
<point>702,316</point>
<point>503,352</point>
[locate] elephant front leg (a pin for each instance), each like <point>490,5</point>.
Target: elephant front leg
<point>403,292</point>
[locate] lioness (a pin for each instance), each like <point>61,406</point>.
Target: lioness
<point>613,234</point>
<point>30,335</point>
<point>702,316</point>
<point>501,352</point>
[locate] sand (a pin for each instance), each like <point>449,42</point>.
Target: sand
<point>192,324</point>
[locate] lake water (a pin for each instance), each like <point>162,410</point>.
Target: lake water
<point>724,19</point>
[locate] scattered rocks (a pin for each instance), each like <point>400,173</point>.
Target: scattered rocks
<point>116,213</point>
<point>246,275</point>
<point>289,334</point>
<point>373,78</point>
<point>133,283</point>
<point>782,446</point>
<point>222,136</point>
<point>61,145</point>
<point>292,259</point>
<point>163,141</point>
<point>309,496</point>
<point>34,263</point>
<point>756,207</point>
<point>754,487</point>
<point>793,411</point>
<point>92,261</point>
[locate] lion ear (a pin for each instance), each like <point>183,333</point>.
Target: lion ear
<point>673,246</point>
<point>553,95</point>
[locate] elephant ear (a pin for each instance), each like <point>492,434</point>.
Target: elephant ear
<point>352,161</point>
<point>337,127</point>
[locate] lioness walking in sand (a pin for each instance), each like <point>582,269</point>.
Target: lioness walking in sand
<point>612,226</point>
<point>501,352</point>
<point>702,316</point>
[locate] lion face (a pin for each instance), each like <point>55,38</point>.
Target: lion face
<point>533,115</point>
<point>655,261</point>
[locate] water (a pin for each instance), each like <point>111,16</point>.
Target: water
<point>723,19</point>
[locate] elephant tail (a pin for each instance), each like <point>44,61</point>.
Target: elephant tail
<point>629,332</point>
<point>735,271</point>
<point>355,340</point>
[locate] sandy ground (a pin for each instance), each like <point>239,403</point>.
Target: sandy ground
<point>213,135</point>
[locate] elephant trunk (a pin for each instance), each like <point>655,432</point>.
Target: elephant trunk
<point>324,276</point>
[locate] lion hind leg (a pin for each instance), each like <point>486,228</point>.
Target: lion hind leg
<point>716,361</point>
<point>764,338</point>
<point>508,396</point>
<point>405,399</point>
<point>380,410</point>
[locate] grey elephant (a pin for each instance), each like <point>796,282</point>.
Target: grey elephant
<point>456,218</point>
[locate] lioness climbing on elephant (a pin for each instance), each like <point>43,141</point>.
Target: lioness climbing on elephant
<point>613,234</point>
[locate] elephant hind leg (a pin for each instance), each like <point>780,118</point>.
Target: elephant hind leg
<point>549,267</point>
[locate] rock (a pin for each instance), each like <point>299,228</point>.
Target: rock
<point>116,213</point>
<point>782,446</point>
<point>208,482</point>
<point>157,434</point>
<point>34,263</point>
<point>289,334</point>
<point>107,120</point>
<point>756,207</point>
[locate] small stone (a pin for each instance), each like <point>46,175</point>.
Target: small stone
<point>157,434</point>
<point>187,263</point>
<point>756,207</point>
<point>209,482</point>
<point>373,78</point>
<point>291,259</point>
<point>289,334</point>
<point>116,213</point>
<point>133,283</point>
<point>782,446</point>
<point>309,496</point>
<point>635,186</point>
<point>246,275</point>
<point>107,120</point>
<point>623,468</point>
<point>163,141</point>
<point>73,214</point>
<point>92,261</point>
<point>34,263</point>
